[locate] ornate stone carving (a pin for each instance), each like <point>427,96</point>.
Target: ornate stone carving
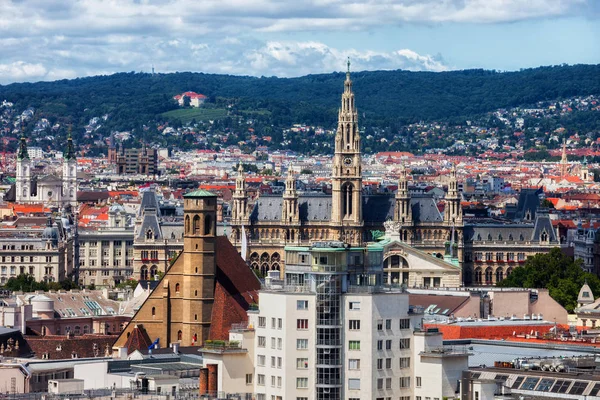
<point>392,227</point>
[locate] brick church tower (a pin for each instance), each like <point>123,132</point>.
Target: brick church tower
<point>180,308</point>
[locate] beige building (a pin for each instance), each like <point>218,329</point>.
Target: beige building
<point>106,254</point>
<point>41,247</point>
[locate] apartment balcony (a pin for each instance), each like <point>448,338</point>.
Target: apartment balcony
<point>446,351</point>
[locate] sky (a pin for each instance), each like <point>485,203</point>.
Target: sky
<point>57,39</point>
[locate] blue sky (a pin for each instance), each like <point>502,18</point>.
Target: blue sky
<point>55,39</point>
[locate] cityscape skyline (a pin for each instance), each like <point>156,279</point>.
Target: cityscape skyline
<point>57,40</point>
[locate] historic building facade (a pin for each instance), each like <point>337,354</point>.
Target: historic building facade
<point>27,247</point>
<point>273,221</point>
<point>106,253</point>
<point>48,189</point>
<point>486,249</point>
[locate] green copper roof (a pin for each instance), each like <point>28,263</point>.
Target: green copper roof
<point>69,153</point>
<point>200,193</point>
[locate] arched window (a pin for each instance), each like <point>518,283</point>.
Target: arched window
<point>179,335</point>
<point>153,271</point>
<point>144,273</point>
<point>177,287</point>
<point>488,275</point>
<point>347,193</point>
<point>196,228</point>
<point>187,223</point>
<point>478,275</point>
<point>153,311</point>
<point>207,224</point>
<point>149,234</point>
<point>499,275</point>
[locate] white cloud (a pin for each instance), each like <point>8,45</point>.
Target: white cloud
<point>20,70</point>
<point>41,39</point>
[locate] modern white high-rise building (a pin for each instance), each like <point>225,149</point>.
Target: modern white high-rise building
<point>332,330</point>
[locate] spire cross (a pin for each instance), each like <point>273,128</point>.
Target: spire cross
<point>348,64</point>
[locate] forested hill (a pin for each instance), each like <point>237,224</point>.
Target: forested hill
<point>381,95</point>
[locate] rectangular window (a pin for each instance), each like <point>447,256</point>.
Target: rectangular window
<point>302,324</point>
<point>260,379</point>
<point>380,325</point>
<point>388,344</point>
<point>302,344</point>
<point>273,360</point>
<point>405,323</point>
<point>302,383</point>
<point>262,322</point>
<point>405,382</point>
<point>278,381</point>
<point>354,345</point>
<point>380,363</point>
<point>388,383</point>
<point>388,363</point>
<point>273,342</point>
<point>388,324</point>
<point>405,362</point>
<point>273,381</point>
<point>354,363</point>
<point>354,324</point>
<point>379,383</point>
<point>279,323</point>
<point>418,381</point>
<point>262,341</point>
<point>354,305</point>
<point>279,343</point>
<point>273,323</point>
<point>380,345</point>
<point>302,305</point>
<point>301,363</point>
<point>260,361</point>
<point>353,384</point>
<point>405,343</point>
<point>279,362</point>
<point>248,379</point>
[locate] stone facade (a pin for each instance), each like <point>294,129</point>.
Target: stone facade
<point>48,189</point>
<point>179,309</point>
<point>348,215</point>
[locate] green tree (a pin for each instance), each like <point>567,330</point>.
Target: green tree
<point>547,203</point>
<point>25,283</point>
<point>560,274</point>
<point>130,283</point>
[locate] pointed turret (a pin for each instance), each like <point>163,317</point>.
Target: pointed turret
<point>69,153</point>
<point>403,210</point>
<point>23,154</point>
<point>347,168</point>
<point>238,213</point>
<point>289,210</point>
<point>453,210</point>
<point>564,163</point>
<point>23,173</point>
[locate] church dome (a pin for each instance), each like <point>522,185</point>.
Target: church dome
<point>116,208</point>
<point>50,232</point>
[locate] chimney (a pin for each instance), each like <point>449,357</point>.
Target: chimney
<point>175,347</point>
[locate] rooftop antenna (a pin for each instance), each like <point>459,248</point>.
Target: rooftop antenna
<point>152,69</point>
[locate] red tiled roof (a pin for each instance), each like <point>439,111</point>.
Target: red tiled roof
<point>61,347</point>
<point>138,340</point>
<point>235,289</point>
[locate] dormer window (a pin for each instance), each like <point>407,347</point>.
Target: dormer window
<point>544,236</point>
<point>149,234</point>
